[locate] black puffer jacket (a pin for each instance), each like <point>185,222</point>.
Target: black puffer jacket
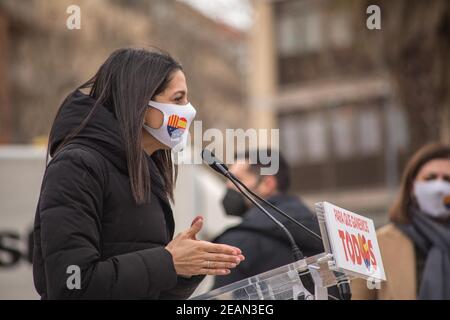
<point>87,217</point>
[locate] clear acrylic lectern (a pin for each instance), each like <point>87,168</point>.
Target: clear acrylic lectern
<point>284,283</point>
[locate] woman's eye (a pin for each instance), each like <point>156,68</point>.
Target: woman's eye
<point>430,177</point>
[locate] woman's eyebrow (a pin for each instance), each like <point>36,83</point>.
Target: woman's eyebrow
<point>180,91</point>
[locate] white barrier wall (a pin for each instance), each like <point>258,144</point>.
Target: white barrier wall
<point>199,191</point>
<point>21,170</point>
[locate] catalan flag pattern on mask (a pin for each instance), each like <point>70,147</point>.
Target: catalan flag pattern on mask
<point>176,126</point>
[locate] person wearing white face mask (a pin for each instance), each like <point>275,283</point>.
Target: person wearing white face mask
<point>106,196</point>
<point>176,121</point>
<point>433,196</point>
<point>415,246</point>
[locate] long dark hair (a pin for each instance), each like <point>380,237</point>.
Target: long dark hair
<point>125,82</point>
<point>399,212</point>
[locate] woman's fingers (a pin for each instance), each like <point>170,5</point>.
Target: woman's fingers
<point>196,219</point>
<point>219,265</point>
<point>223,258</point>
<point>221,248</point>
<point>214,272</point>
<point>195,228</point>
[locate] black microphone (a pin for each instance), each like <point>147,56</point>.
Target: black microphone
<point>221,168</point>
<point>217,165</point>
<point>284,214</point>
<point>210,159</point>
<point>343,285</point>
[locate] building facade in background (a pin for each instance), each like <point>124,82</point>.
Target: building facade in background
<point>342,128</point>
<point>41,60</point>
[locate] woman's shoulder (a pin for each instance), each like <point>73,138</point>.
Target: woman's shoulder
<point>75,153</point>
<point>78,157</point>
<point>391,233</point>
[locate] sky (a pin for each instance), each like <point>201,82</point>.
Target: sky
<point>236,13</point>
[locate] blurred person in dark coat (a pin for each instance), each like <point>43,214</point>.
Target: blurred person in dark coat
<point>415,245</point>
<point>264,245</point>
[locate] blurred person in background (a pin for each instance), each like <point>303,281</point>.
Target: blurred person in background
<point>104,205</point>
<point>264,245</point>
<point>415,245</point>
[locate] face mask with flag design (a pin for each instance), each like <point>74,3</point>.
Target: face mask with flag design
<point>175,128</point>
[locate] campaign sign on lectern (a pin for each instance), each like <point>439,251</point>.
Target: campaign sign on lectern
<point>351,251</point>
<point>352,240</point>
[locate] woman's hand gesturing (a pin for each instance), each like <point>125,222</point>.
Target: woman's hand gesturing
<point>194,257</point>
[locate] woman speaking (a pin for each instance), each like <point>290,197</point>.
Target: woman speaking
<point>104,225</point>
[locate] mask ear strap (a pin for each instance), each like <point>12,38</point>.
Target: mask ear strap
<point>163,120</point>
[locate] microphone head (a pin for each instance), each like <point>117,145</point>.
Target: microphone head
<point>210,159</point>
